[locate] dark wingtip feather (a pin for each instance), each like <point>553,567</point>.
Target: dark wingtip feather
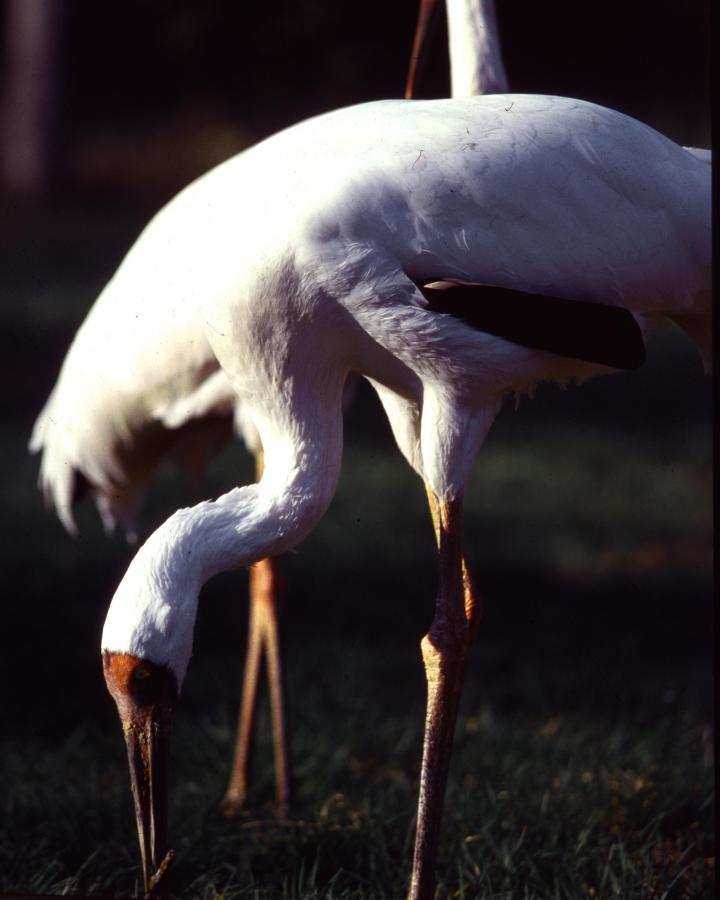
<point>593,332</point>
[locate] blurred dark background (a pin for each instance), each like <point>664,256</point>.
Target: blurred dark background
<point>588,519</point>
<point>143,96</point>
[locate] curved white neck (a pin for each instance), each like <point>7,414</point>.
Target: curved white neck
<point>476,65</point>
<point>152,614</point>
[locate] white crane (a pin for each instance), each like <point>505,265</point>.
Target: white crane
<point>114,416</point>
<point>453,252</point>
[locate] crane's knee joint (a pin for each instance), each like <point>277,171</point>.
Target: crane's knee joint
<point>445,642</point>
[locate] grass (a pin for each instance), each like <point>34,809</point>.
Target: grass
<point>561,786</point>
<point>583,764</point>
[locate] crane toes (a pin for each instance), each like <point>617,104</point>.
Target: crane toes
<point>233,804</point>
<point>282,809</point>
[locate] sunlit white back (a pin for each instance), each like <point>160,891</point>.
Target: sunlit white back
<point>303,265</point>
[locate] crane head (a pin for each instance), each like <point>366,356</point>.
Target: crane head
<point>145,694</point>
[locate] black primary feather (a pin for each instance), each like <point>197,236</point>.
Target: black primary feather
<point>593,332</point>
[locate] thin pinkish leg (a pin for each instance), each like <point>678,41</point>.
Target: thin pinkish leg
<point>236,793</point>
<point>273,660</point>
<point>263,636</point>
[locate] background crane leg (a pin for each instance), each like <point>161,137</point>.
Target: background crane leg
<point>263,637</point>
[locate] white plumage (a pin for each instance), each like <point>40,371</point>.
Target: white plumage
<point>139,382</point>
<point>300,261</point>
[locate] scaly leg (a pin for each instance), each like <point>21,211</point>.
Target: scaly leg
<point>444,651</point>
<point>273,661</point>
<point>236,793</point>
<point>263,635</point>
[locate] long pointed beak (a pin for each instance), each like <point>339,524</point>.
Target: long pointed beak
<point>427,17</point>
<point>148,746</point>
<point>145,694</point>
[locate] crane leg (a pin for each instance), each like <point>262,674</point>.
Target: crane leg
<point>273,661</point>
<point>236,793</point>
<point>444,651</point>
<point>263,637</point>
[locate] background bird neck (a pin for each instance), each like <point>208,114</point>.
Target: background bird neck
<point>476,64</point>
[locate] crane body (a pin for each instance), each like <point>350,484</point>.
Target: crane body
<point>303,259</point>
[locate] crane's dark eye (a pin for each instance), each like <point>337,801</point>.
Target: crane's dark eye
<point>146,683</point>
<point>142,672</point>
<point>151,683</point>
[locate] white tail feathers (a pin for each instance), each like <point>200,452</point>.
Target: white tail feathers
<point>118,463</point>
<point>56,478</point>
